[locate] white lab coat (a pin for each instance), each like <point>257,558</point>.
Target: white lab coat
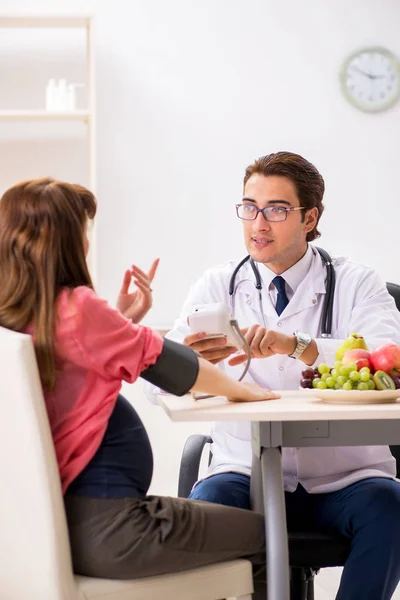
<point>361,305</point>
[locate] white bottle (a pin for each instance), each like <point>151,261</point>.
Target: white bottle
<point>62,95</point>
<point>71,96</point>
<point>51,95</point>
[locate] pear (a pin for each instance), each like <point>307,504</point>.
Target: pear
<point>353,342</point>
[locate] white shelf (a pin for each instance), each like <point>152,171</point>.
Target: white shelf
<point>26,21</point>
<point>44,115</point>
<point>41,125</point>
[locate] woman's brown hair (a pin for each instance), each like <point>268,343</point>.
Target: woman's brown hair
<point>42,249</point>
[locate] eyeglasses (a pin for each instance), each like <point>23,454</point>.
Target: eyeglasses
<point>249,212</point>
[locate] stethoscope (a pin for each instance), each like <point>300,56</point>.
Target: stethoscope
<point>327,310</point>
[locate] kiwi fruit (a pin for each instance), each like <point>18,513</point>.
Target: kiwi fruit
<point>383,381</point>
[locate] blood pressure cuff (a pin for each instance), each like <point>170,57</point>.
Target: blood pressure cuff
<point>176,369</point>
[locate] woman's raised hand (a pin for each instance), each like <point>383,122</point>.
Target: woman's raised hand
<point>136,305</point>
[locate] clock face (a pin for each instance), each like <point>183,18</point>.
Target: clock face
<point>370,79</point>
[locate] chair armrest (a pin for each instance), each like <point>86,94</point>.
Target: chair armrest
<point>394,291</point>
<point>190,463</point>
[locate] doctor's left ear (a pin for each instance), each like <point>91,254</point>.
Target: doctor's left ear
<point>311,219</point>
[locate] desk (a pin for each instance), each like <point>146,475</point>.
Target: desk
<point>297,419</point>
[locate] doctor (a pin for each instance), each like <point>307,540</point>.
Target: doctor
<point>350,490</point>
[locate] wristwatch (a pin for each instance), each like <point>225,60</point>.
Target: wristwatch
<point>303,340</point>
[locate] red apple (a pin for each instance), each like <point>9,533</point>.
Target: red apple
<point>363,362</point>
<point>358,356</point>
<point>386,357</point>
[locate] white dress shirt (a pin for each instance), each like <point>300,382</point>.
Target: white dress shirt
<point>361,305</point>
<point>293,276</point>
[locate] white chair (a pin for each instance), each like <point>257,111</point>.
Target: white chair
<point>35,561</point>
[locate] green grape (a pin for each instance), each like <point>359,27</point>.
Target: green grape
<point>321,385</point>
<point>371,384</point>
<point>337,364</point>
<point>330,382</point>
<point>365,370</point>
<point>316,381</point>
<point>325,376</point>
<point>364,376</point>
<point>341,380</point>
<point>362,386</point>
<point>352,367</point>
<point>337,386</point>
<point>323,368</point>
<point>334,374</point>
<point>355,376</point>
<point>344,371</point>
<point>347,386</point>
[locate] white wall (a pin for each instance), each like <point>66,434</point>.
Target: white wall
<point>188,94</point>
<point>193,92</point>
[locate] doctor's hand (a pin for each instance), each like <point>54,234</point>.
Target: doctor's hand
<point>213,350</point>
<point>267,342</point>
<point>136,305</point>
<point>264,343</point>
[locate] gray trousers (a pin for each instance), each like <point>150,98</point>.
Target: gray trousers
<point>129,538</point>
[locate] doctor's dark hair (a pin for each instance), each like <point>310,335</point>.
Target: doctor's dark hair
<point>309,183</point>
<point>42,250</point>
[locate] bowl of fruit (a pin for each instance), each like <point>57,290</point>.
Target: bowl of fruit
<point>357,375</point>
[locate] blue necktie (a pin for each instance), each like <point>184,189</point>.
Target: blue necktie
<point>282,300</point>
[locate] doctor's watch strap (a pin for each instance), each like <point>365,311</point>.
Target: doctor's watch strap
<point>176,369</point>
<point>303,341</point>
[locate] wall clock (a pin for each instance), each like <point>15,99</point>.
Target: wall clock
<point>370,79</point>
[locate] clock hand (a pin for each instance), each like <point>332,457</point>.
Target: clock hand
<point>362,72</point>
